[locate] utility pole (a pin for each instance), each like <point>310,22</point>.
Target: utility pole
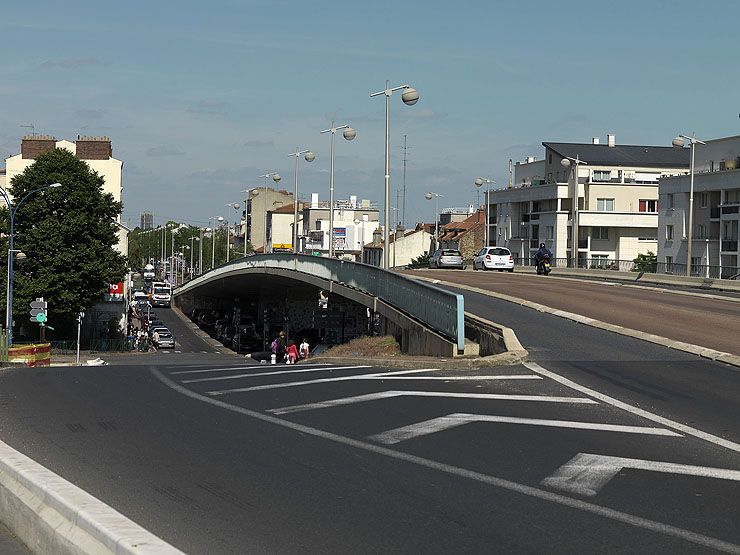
<point>403,211</point>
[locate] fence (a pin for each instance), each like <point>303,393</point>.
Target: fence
<point>94,345</point>
<point>439,309</point>
<point>697,270</point>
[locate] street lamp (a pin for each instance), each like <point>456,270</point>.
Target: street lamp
<point>679,142</point>
<point>12,211</point>
<point>216,220</point>
<point>479,183</point>
<point>276,178</point>
<point>348,134</point>
<point>235,206</point>
<point>410,96</point>
<point>200,250</point>
<point>436,196</point>
<point>567,162</point>
<point>309,157</point>
<point>192,239</point>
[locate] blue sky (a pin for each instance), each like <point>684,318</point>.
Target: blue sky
<point>200,98</point>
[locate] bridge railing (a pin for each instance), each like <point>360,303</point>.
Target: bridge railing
<point>440,310</point>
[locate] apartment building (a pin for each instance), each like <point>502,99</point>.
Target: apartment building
<point>404,246</point>
<point>617,200</point>
<point>354,223</point>
<point>260,201</point>
<point>280,227</point>
<point>715,251</point>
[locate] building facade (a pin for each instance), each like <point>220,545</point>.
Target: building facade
<point>714,247</point>
<point>354,223</point>
<point>617,201</point>
<point>260,201</point>
<point>404,245</point>
<point>146,221</point>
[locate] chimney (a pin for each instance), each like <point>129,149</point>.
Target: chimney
<point>93,148</point>
<point>314,200</point>
<point>378,235</point>
<point>611,140</point>
<point>596,140</point>
<point>34,145</point>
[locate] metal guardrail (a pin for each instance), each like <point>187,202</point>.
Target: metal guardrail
<point>441,310</point>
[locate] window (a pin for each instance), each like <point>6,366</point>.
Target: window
<point>550,230</point>
<point>600,232</point>
<point>722,165</point>
<point>648,205</point>
<point>669,264</point>
<point>701,231</point>
<point>703,200</point>
<point>669,232</point>
<point>605,204</point>
<point>669,199</point>
<point>602,175</point>
<point>646,238</point>
<point>549,159</point>
<point>696,264</point>
<point>549,177</point>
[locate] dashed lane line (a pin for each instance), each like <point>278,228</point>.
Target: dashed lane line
<point>277,373</point>
<point>438,394</point>
<point>427,427</point>
<point>493,481</point>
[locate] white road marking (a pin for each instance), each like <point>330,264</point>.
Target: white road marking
<point>688,430</point>
<point>380,376</point>
<point>178,351</point>
<point>277,373</point>
<point>391,394</point>
<point>222,369</point>
<point>434,425</point>
<point>460,378</point>
<point>493,481</point>
<point>586,474</point>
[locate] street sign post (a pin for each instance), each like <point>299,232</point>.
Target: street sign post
<point>38,314</point>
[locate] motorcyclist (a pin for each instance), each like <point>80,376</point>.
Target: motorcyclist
<point>539,256</point>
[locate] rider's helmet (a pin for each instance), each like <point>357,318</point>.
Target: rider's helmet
<point>542,245</point>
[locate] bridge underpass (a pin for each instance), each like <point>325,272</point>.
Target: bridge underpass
<point>282,292</point>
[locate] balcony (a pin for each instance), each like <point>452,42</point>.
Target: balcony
<point>525,218</point>
<point>730,209</point>
<point>714,213</point>
<point>617,219</point>
<point>730,246</point>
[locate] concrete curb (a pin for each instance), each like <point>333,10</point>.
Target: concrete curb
<point>704,352</point>
<point>51,515</point>
<point>417,363</point>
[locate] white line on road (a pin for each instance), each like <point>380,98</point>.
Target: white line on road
<point>276,373</point>
<point>586,474</point>
<point>459,378</point>
<point>688,430</point>
<point>221,369</point>
<point>392,394</point>
<point>380,376</point>
<point>493,481</point>
<point>442,423</point>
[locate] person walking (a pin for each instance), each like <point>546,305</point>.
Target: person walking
<point>304,350</point>
<point>280,347</point>
<point>155,340</point>
<point>292,352</point>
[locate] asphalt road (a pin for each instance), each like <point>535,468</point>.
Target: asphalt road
<point>701,319</point>
<point>218,456</point>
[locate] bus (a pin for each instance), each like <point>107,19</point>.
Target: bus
<point>161,294</point>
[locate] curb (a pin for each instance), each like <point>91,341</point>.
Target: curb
<point>51,515</point>
<point>418,363</point>
<point>704,352</point>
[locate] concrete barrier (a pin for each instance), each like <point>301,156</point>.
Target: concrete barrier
<point>51,515</point>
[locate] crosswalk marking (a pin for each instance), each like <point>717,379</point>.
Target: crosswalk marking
<point>444,394</point>
<point>222,369</point>
<point>277,373</point>
<point>434,425</point>
<point>376,376</point>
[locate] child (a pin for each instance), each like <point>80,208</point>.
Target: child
<point>304,350</point>
<point>292,352</point>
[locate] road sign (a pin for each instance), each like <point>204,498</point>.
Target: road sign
<point>38,310</point>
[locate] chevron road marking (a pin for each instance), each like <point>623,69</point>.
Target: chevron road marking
<point>585,474</point>
<point>434,425</point>
<point>392,394</point>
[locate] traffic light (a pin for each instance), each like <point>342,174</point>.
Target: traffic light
<point>38,310</point>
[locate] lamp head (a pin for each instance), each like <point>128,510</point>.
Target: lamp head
<point>55,185</point>
<point>20,256</point>
<point>478,182</point>
<point>565,163</point>
<point>236,206</point>
<point>349,134</point>
<point>309,157</point>
<point>220,219</point>
<point>678,142</point>
<point>428,196</point>
<point>410,96</point>
<point>276,177</point>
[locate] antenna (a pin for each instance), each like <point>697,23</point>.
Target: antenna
<point>32,128</point>
<point>403,210</point>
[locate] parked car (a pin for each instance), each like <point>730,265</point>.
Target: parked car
<point>166,340</point>
<point>446,258</point>
<point>227,335</point>
<point>494,258</point>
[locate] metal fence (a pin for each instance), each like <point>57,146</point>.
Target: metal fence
<point>697,270</point>
<point>439,309</point>
<point>94,345</point>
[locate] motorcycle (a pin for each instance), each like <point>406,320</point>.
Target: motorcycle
<point>543,266</point>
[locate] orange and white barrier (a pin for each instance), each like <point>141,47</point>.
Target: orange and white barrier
<point>31,355</point>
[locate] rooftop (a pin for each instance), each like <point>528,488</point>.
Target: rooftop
<point>623,155</point>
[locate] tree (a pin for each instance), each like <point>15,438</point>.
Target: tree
<point>68,236</point>
<point>646,263</point>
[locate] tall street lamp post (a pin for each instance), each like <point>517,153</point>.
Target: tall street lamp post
<point>216,220</point>
<point>429,196</point>
<point>12,211</point>
<point>276,178</point>
<point>193,238</point>
<point>235,206</point>
<point>200,250</point>
<point>479,183</point>
<point>309,157</point>
<point>679,142</point>
<point>410,96</point>
<point>349,134</point>
<point>567,162</point>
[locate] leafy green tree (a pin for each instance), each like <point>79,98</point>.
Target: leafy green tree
<point>646,263</point>
<point>68,236</point>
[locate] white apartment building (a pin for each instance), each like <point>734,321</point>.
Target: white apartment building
<point>280,227</point>
<point>404,246</point>
<point>617,195</point>
<point>260,201</point>
<point>715,251</point>
<point>96,152</point>
<point>354,223</point>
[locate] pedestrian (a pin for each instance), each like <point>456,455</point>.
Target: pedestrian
<point>292,352</point>
<point>155,339</point>
<point>304,350</point>
<point>280,346</point>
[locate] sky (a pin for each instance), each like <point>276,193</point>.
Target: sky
<point>200,98</point>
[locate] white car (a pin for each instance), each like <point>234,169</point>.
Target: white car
<point>494,258</point>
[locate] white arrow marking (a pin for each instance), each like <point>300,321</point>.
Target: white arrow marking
<point>391,394</point>
<point>434,425</point>
<point>585,474</point>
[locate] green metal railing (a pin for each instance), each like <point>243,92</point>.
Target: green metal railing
<point>94,345</point>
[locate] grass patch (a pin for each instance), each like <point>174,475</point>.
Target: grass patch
<point>367,347</point>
